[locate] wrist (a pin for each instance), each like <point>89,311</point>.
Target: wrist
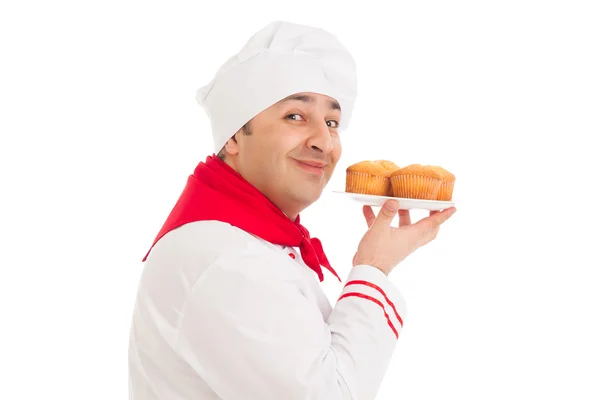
<point>364,264</point>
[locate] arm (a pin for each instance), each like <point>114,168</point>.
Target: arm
<point>251,334</point>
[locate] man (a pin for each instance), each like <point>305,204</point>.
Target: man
<point>229,304</point>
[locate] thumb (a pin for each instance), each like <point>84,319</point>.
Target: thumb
<point>387,213</point>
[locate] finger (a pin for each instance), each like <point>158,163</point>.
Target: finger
<point>445,214</point>
<point>387,213</point>
<point>369,215</point>
<point>431,224</point>
<point>429,236</point>
<point>440,217</point>
<point>404,217</point>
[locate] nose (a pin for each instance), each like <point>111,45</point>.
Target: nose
<point>320,138</point>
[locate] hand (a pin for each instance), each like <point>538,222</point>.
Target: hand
<point>384,246</point>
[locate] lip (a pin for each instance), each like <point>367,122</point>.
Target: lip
<point>315,167</point>
<point>317,164</point>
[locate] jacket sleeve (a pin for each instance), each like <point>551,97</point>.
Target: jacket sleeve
<point>252,334</point>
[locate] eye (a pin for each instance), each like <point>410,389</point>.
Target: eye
<point>290,116</point>
<point>296,117</point>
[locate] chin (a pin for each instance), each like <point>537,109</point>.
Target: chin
<point>310,196</point>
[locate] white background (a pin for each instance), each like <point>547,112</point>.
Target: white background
<point>100,129</point>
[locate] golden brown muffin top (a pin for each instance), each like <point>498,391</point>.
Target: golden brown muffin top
<point>369,167</point>
<point>390,166</point>
<point>447,176</point>
<point>418,169</point>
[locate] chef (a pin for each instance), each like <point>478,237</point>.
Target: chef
<point>229,303</point>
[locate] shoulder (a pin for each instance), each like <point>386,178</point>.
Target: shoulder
<point>194,249</point>
<point>202,240</point>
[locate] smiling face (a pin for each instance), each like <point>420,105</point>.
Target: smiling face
<point>291,152</point>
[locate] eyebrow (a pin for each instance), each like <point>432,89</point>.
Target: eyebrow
<point>334,105</point>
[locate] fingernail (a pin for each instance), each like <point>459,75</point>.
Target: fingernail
<point>391,205</point>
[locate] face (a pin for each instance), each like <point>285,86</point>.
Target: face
<point>292,150</point>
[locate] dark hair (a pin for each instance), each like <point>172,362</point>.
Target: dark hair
<point>247,132</point>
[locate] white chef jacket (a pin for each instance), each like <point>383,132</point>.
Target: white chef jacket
<point>223,314</point>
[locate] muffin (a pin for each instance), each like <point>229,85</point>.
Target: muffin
<point>447,187</point>
<point>416,181</point>
<point>367,177</point>
<point>391,167</point>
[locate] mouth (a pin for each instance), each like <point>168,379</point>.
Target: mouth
<point>314,167</point>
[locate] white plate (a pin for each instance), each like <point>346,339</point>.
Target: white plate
<point>405,204</point>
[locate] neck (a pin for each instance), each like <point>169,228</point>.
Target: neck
<point>291,214</point>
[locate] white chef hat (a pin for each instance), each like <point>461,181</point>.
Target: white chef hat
<point>279,60</point>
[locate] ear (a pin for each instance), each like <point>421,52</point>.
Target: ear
<point>232,147</point>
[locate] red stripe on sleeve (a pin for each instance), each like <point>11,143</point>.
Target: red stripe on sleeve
<point>364,296</point>
<point>380,291</point>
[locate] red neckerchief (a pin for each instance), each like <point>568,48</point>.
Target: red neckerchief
<point>215,191</point>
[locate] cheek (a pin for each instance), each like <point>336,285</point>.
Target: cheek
<point>272,148</point>
<point>337,148</point>
<point>287,141</point>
